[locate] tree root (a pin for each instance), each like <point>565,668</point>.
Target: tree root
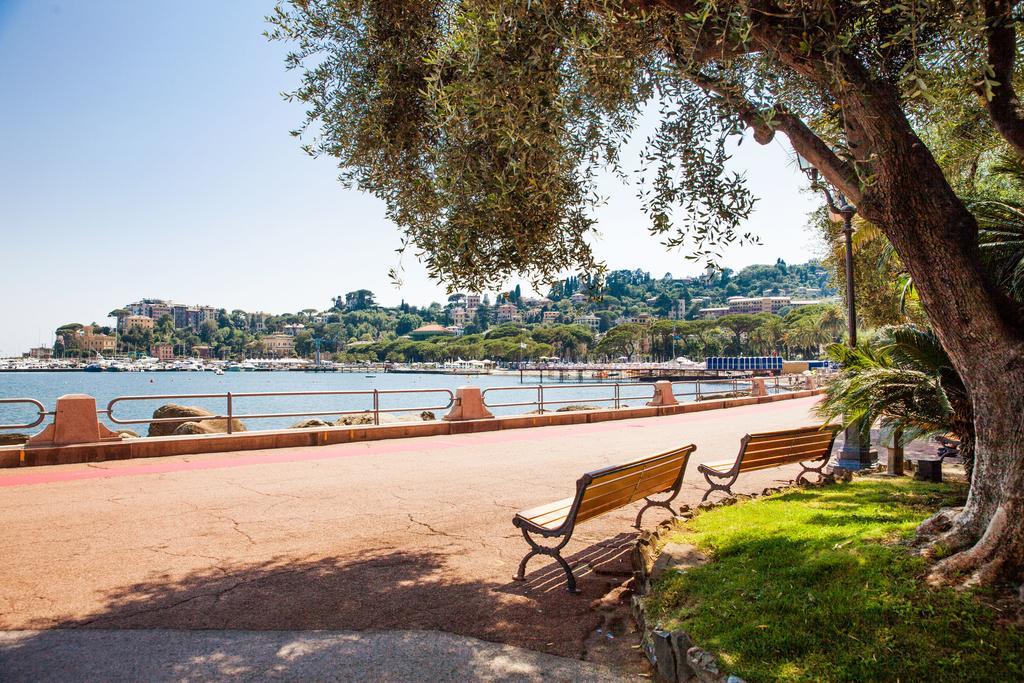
<point>985,562</point>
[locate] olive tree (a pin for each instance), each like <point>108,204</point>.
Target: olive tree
<point>483,126</point>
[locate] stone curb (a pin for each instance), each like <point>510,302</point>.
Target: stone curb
<point>673,654</point>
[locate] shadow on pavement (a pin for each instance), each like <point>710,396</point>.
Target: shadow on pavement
<point>380,589</point>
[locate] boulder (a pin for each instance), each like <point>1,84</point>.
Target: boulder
<point>13,439</point>
<point>574,407</point>
<point>127,434</point>
<point>357,419</point>
<point>305,424</point>
<point>204,427</point>
<point>385,418</point>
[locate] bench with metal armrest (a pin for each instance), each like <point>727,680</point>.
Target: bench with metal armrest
<point>771,449</point>
<point>598,492</point>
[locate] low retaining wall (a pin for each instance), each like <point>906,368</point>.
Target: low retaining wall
<point>43,450</point>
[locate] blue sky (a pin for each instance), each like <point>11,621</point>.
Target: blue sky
<point>145,153</point>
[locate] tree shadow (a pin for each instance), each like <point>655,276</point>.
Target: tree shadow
<point>380,589</point>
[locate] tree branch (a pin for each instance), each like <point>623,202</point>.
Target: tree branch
<point>1002,103</point>
<point>764,124</point>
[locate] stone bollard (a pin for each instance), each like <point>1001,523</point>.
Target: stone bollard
<point>757,387</point>
<point>469,405</point>
<point>894,454</point>
<point>663,395</point>
<point>75,421</point>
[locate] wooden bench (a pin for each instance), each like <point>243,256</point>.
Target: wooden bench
<point>598,492</point>
<point>771,449</point>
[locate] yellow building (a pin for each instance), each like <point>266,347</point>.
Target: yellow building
<point>279,345</point>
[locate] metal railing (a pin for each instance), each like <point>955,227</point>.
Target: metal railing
<point>697,389</point>
<point>540,401</point>
<point>701,389</point>
<point>40,408</point>
<point>230,415</point>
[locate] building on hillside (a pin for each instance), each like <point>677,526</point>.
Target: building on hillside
<point>679,309</point>
<point>293,329</point>
<point>551,317</point>
<point>640,318</point>
<point>428,331</point>
<point>202,351</point>
<point>41,352</point>
<point>140,322</point>
<point>89,340</point>
<point>162,351</point>
<point>258,321</point>
<point>472,302</point>
<point>459,316</point>
<point>764,304</point>
<point>590,321</point>
<point>506,313</point>
<point>279,344</point>
<point>456,330</point>
<point>578,298</point>
<point>714,312</point>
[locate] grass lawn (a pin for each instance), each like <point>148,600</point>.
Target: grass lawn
<point>814,585</point>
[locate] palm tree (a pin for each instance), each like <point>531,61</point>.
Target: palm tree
<point>766,337</point>
<point>903,378</point>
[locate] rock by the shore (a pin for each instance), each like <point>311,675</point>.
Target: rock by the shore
<point>306,424</point>
<point>219,426</point>
<point>574,407</point>
<point>13,439</point>
<point>385,418</point>
<point>127,434</point>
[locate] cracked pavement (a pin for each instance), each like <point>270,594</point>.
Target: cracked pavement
<point>401,534</point>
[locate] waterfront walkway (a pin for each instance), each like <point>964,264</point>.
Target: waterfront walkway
<point>411,534</point>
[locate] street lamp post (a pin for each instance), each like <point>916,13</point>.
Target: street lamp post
<point>857,452</point>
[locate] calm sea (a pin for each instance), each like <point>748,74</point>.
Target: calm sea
<point>47,386</point>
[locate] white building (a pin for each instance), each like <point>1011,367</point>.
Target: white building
<point>589,320</point>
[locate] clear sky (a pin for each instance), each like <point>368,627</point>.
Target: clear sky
<point>144,152</point>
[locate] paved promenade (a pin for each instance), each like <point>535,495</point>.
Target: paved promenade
<point>411,534</point>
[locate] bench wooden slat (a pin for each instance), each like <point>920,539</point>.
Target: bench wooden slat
<point>793,454</point>
<point>770,444</point>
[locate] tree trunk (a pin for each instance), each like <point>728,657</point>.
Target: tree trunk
<point>936,238</point>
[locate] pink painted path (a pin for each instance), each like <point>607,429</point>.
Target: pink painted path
<point>408,534</point>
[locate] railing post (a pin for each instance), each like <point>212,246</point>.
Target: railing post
<point>231,413</point>
<point>617,395</point>
<point>468,405</point>
<point>75,420</point>
<point>376,407</point>
<point>663,395</point>
<point>540,398</point>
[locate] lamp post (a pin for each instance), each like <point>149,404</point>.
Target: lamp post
<point>857,453</point>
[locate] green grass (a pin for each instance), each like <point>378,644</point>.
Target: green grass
<point>814,585</point>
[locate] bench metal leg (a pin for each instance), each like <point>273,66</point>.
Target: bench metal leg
<point>715,486</point>
<point>819,470</point>
<point>550,552</point>
<point>667,504</point>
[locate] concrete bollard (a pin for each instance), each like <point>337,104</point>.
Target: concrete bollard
<point>75,421</point>
<point>757,387</point>
<point>469,405</point>
<point>663,395</point>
